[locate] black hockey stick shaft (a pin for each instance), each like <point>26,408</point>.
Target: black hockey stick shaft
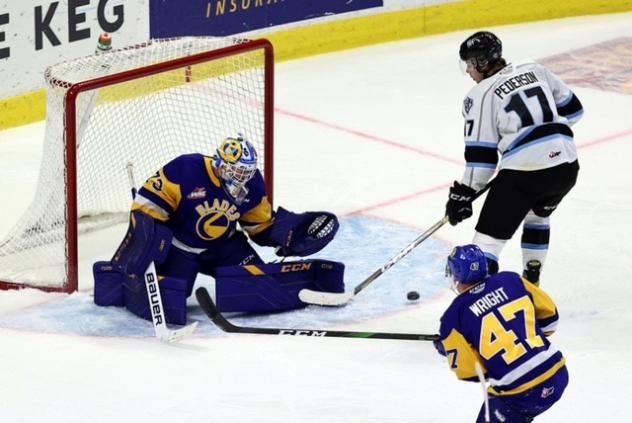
<point>209,307</point>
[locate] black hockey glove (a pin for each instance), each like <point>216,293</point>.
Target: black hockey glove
<point>459,205</point>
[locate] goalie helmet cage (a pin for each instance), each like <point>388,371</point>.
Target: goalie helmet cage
<point>144,105</point>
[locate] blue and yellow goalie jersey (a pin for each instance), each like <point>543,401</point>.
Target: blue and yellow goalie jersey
<point>187,196</point>
<point>503,323</point>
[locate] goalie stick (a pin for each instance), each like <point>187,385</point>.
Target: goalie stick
<point>163,333</point>
<point>333,299</point>
<point>158,317</point>
<point>209,307</point>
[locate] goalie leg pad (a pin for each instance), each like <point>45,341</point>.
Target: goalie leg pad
<point>274,287</point>
<point>146,240</point>
<point>302,234</point>
<point>174,299</point>
<point>108,284</point>
<point>329,276</point>
<point>180,265</point>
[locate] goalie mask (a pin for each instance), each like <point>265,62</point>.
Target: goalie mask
<point>236,164</point>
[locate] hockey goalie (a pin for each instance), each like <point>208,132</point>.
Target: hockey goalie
<point>198,214</point>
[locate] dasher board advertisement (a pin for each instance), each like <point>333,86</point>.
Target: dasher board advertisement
<point>227,17</point>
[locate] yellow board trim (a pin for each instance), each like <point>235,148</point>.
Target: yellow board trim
<point>412,23</point>
<point>22,109</point>
<point>372,29</point>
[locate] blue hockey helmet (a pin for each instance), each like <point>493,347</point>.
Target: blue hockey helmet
<point>482,49</point>
<point>466,264</point>
<point>236,164</point>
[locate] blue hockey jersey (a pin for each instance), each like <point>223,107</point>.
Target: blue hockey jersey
<point>503,323</point>
<point>187,196</point>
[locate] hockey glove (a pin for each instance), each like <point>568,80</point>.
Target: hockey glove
<point>459,205</point>
<point>302,234</point>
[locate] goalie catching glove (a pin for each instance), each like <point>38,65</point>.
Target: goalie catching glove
<point>299,234</point>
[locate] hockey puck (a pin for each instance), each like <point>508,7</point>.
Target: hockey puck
<point>412,296</point>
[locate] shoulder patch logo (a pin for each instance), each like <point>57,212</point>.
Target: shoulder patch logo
<point>197,193</point>
<point>467,104</point>
<point>478,288</point>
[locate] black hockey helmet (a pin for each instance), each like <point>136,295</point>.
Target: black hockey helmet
<point>482,49</point>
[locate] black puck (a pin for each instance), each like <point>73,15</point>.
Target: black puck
<point>412,296</point>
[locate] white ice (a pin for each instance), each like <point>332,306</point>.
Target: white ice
<point>374,134</point>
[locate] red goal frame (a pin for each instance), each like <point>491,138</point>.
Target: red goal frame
<point>72,259</point>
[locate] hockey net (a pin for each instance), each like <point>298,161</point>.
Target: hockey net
<point>138,108</point>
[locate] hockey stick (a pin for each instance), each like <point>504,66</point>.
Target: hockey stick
<point>340,299</point>
<point>161,330</point>
<point>157,311</point>
<point>209,307</point>
<point>481,378</point>
<point>333,299</point>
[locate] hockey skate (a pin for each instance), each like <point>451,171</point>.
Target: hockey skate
<point>532,272</point>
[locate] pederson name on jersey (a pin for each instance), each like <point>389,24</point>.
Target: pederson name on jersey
<point>514,83</point>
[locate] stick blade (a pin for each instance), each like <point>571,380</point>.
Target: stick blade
<point>178,334</point>
<point>210,309</point>
<point>205,301</point>
<point>329,299</point>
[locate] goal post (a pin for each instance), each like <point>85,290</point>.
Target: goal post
<point>144,104</point>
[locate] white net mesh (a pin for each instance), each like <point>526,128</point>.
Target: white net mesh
<point>145,121</point>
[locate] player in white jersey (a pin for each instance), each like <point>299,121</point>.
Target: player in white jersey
<point>517,119</point>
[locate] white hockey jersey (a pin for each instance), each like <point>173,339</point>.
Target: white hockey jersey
<point>522,113</point>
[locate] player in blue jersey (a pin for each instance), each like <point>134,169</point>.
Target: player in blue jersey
<point>198,214</point>
<point>502,322</point>
<point>518,120</point>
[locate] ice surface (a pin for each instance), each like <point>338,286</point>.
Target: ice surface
<point>373,134</point>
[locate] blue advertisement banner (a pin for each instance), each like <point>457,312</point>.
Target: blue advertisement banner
<point>173,18</point>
